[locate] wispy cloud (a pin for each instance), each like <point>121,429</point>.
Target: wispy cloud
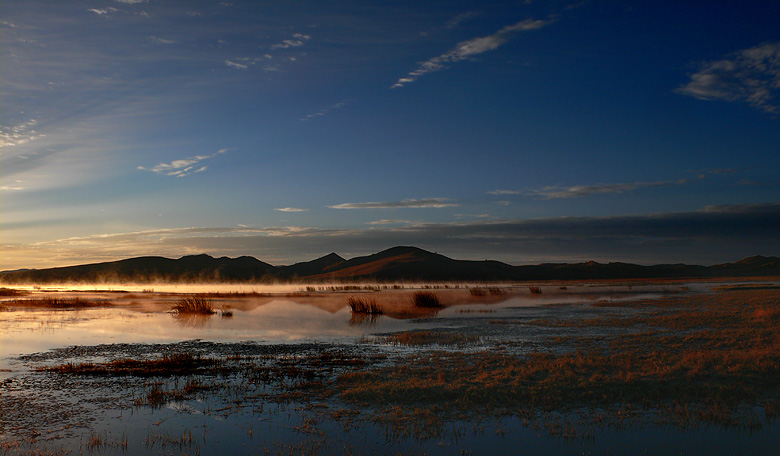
<point>11,187</point>
<point>19,134</point>
<point>408,203</point>
<point>391,222</point>
<point>132,2</point>
<point>159,40</point>
<point>290,209</point>
<point>579,191</point>
<point>103,11</point>
<point>326,111</point>
<point>297,40</point>
<point>470,48</point>
<point>751,76</point>
<point>238,66</point>
<point>183,167</point>
<point>457,20</point>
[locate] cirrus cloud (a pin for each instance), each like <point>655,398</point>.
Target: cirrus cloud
<point>750,76</point>
<point>408,203</point>
<point>470,48</point>
<point>183,167</point>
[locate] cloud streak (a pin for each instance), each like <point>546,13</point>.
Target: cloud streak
<point>408,203</point>
<point>471,48</point>
<point>183,167</point>
<point>750,76</point>
<point>298,39</point>
<point>326,111</point>
<point>580,191</point>
<point>290,209</point>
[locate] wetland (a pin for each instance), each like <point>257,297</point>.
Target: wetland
<point>604,367</point>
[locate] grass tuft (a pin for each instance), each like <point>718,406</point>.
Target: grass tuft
<point>425,299</point>
<point>364,306</point>
<point>194,304</point>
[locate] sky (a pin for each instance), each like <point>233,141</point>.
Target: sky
<point>520,131</point>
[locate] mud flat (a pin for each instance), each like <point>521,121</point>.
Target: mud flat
<point>613,368</point>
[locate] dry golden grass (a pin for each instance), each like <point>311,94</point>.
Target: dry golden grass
<point>48,302</point>
<point>194,305</point>
<point>426,299</point>
<point>366,306</point>
<point>708,352</point>
<point>177,364</point>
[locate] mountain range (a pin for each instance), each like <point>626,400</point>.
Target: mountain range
<point>394,264</point>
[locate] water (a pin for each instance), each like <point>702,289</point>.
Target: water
<point>69,412</point>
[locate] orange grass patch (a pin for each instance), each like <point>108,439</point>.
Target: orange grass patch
<point>706,350</point>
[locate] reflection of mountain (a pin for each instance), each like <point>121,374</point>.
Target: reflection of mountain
<point>395,264</point>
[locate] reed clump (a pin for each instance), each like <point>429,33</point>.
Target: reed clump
<point>365,306</point>
<point>426,299</point>
<point>194,305</point>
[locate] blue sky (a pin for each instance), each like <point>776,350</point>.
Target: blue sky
<point>526,131</point>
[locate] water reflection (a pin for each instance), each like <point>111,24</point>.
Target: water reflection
<point>361,319</point>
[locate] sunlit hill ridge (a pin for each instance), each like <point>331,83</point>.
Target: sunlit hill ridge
<point>394,264</point>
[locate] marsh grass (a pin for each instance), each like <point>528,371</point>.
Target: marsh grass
<point>10,292</point>
<point>426,299</point>
<point>478,291</point>
<point>365,306</point>
<point>194,305</point>
<point>419,338</point>
<point>691,359</point>
<point>169,365</point>
<point>49,302</point>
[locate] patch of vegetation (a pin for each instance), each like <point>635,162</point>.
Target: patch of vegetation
<point>704,358</point>
<point>425,299</point>
<point>535,290</point>
<point>58,303</point>
<point>367,306</point>
<point>418,338</point>
<point>194,305</point>
<point>6,292</point>
<point>173,365</point>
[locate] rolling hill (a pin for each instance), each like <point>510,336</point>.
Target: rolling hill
<point>394,264</point>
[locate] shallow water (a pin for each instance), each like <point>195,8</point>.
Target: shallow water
<point>218,424</point>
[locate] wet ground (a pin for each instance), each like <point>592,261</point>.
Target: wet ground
<point>256,401</point>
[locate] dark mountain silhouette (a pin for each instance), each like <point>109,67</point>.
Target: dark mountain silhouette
<point>192,268</point>
<point>394,264</point>
<point>313,267</point>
